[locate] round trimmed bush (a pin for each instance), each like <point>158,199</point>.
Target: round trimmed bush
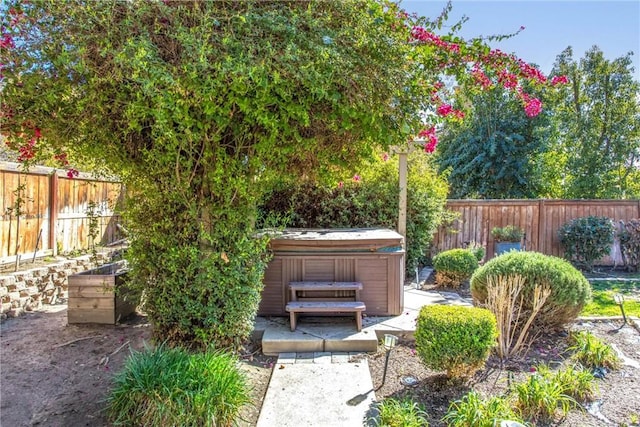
<point>570,290</point>
<point>454,267</point>
<point>455,339</point>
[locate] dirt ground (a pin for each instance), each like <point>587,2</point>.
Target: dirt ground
<point>58,375</point>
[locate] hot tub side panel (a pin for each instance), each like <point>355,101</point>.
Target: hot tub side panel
<point>380,274</point>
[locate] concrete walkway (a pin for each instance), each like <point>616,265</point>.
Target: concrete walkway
<point>318,390</point>
<point>325,389</point>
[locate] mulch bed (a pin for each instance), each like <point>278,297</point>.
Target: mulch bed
<point>617,398</point>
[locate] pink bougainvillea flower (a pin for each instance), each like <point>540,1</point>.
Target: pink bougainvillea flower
<point>6,41</point>
<point>72,173</point>
<point>340,184</point>
<point>431,139</point>
<point>481,78</point>
<point>559,80</point>
<point>507,79</point>
<point>357,178</point>
<point>444,110</point>
<point>385,157</point>
<point>533,107</point>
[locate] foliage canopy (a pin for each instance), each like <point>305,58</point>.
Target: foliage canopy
<point>196,105</point>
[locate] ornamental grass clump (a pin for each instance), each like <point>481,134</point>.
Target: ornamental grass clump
<point>540,398</point>
<point>473,410</point>
<point>569,289</point>
<point>455,339</point>
<point>454,267</point>
<point>578,383</point>
<point>400,413</point>
<point>172,387</point>
<point>591,352</point>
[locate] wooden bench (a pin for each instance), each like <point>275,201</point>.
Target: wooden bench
<point>334,304</point>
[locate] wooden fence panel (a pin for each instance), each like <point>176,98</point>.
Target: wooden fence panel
<point>540,219</point>
<point>54,211</point>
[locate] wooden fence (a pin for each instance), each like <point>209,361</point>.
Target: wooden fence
<point>540,219</point>
<point>54,211</point>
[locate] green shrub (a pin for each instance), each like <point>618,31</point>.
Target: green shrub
<point>455,339</point>
<point>630,244</point>
<point>169,386</point>
<point>540,397</point>
<point>474,411</point>
<point>372,201</point>
<point>400,413</point>
<point>454,267</point>
<point>586,240</point>
<point>477,250</point>
<point>591,352</point>
<point>570,290</point>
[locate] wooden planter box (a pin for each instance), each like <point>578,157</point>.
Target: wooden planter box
<point>374,257</point>
<point>92,296</point>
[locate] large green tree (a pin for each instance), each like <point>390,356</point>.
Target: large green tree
<point>197,104</point>
<point>596,135</point>
<point>496,153</point>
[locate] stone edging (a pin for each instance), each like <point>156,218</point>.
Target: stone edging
<point>28,290</point>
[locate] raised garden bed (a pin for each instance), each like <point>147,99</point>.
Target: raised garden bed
<point>100,295</point>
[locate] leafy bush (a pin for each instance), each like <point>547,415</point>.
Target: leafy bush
<point>455,339</point>
<point>474,411</point>
<point>198,295</point>
<point>169,386</point>
<point>454,267</point>
<point>371,201</point>
<point>591,352</point>
<point>510,233</point>
<point>540,397</point>
<point>477,250</point>
<point>400,413</point>
<point>570,290</point>
<point>586,240</point>
<point>630,244</point>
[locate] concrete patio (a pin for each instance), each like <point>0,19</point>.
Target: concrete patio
<point>339,334</point>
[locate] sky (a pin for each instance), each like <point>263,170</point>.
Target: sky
<point>550,26</point>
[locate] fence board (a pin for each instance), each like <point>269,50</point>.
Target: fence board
<point>540,219</point>
<point>53,200</point>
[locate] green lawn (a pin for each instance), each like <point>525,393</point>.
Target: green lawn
<point>602,303</point>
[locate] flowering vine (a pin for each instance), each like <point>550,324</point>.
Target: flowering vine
<point>27,141</point>
<point>478,68</point>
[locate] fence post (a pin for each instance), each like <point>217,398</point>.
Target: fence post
<point>53,212</point>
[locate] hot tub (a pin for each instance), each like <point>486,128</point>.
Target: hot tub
<point>374,257</point>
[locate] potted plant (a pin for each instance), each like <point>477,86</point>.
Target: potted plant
<point>507,238</point>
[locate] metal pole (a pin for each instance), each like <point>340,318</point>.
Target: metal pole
<point>386,363</point>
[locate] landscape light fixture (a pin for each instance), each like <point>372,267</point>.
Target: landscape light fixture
<point>619,299</point>
<point>390,341</point>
